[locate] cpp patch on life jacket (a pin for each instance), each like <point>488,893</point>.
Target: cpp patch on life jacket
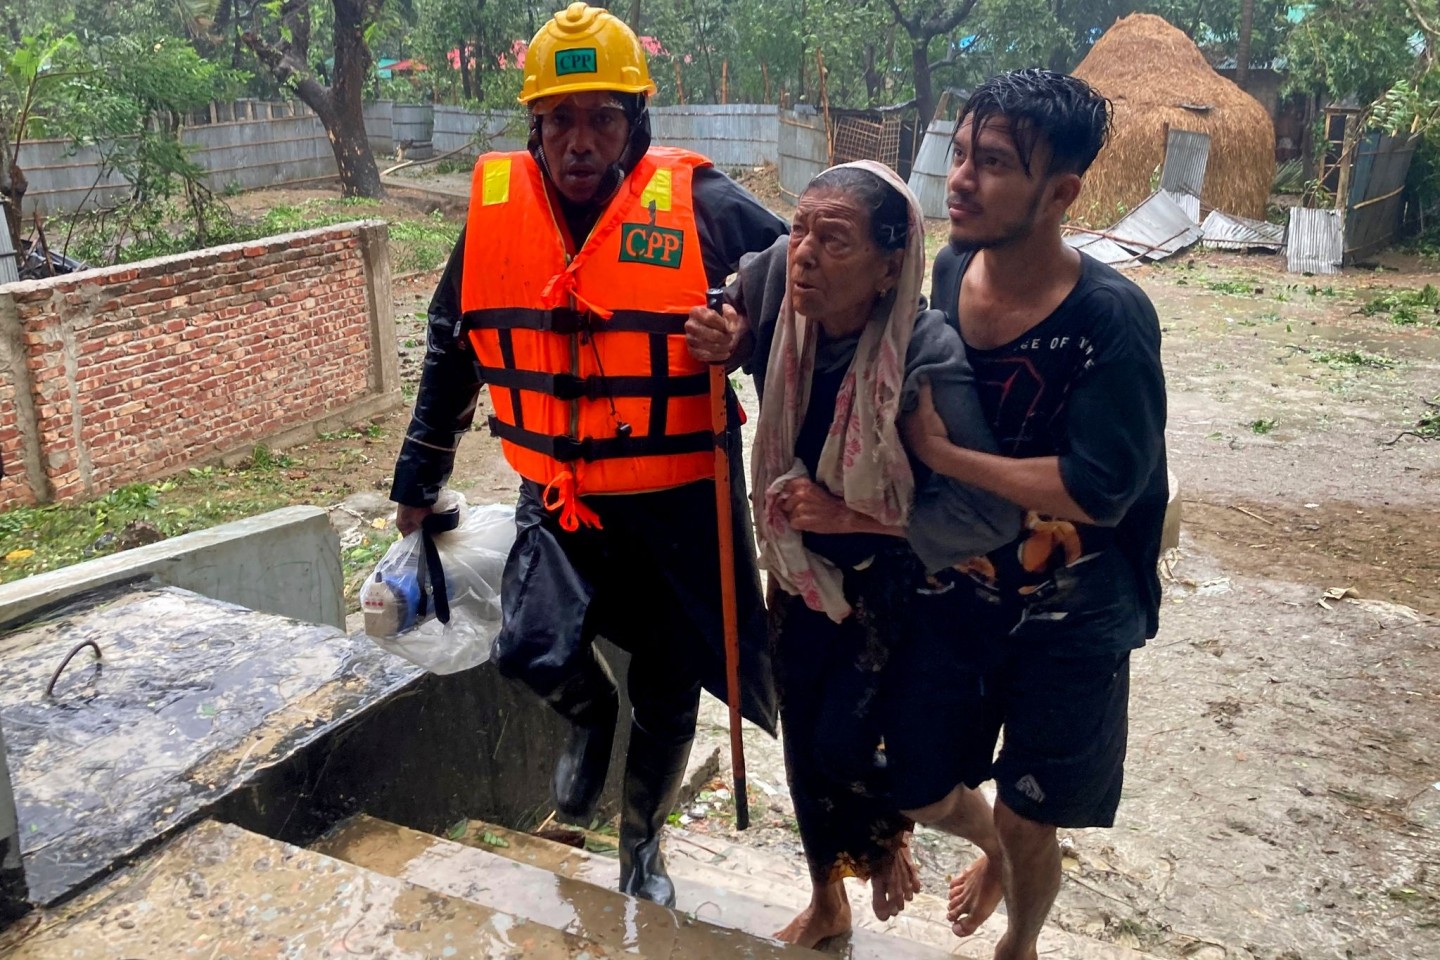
<point>575,61</point>
<point>657,246</point>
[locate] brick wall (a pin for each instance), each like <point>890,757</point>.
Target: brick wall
<point>134,372</point>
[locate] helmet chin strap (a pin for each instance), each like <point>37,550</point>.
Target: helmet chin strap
<point>637,112</point>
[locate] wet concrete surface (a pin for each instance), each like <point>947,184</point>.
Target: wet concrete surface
<point>189,698</point>
<point>221,893</point>
<point>481,874</point>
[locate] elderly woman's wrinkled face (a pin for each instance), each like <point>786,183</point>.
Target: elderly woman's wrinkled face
<point>837,270</point>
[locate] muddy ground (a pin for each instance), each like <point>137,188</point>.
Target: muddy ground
<point>1283,791</point>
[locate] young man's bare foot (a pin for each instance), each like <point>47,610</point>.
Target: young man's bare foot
<point>974,895</point>
<point>828,915</point>
<point>895,882</point>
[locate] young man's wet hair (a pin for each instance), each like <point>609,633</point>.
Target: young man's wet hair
<point>1064,113</point>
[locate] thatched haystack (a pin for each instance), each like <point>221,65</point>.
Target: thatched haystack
<point>1156,76</point>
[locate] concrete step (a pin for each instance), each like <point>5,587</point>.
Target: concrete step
<point>759,892</point>
<point>616,922</point>
<point>758,904</point>
<point>217,891</point>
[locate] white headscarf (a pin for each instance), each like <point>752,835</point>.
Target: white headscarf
<point>863,460</point>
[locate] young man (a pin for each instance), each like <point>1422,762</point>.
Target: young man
<point>567,295</point>
<point>1066,352</point>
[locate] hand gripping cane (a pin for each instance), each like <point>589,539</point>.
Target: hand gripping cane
<point>719,422</point>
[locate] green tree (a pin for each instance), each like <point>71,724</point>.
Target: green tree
<point>1345,48</point>
<point>36,84</point>
<point>284,51</point>
<point>923,21</point>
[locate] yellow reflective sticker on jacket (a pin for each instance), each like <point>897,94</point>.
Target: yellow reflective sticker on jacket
<point>658,191</point>
<point>496,177</point>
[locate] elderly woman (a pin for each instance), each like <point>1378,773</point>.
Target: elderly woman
<point>875,703</point>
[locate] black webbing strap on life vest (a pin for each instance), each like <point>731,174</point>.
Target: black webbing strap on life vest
<point>568,449</point>
<point>507,357</point>
<point>660,360</point>
<point>565,386</point>
<point>434,571</point>
<point>570,320</point>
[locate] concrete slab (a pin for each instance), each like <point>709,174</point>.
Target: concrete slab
<point>616,922</point>
<point>285,562</point>
<point>190,698</point>
<point>218,891</point>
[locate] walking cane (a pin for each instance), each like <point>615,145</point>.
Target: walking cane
<point>719,422</point>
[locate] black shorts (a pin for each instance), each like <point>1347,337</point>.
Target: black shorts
<point>1057,682</point>
<point>1065,725</point>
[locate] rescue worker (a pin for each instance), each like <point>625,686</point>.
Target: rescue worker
<point>567,296</point>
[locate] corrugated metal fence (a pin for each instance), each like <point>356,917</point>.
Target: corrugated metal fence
<point>261,150</point>
<point>251,144</point>
<point>804,150</point>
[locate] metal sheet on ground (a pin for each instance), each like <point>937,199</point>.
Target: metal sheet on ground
<point>1102,248</point>
<point>1224,231</point>
<point>1156,229</point>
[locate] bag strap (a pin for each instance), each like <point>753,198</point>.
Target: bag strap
<point>434,571</point>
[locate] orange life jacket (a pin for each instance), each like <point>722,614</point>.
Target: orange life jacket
<point>584,352</point>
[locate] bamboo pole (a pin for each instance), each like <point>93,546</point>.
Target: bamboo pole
<point>825,109</point>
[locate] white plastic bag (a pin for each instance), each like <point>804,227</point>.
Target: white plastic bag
<point>398,599</point>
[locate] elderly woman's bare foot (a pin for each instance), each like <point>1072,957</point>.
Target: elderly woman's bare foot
<point>828,915</point>
<point>974,895</point>
<point>895,882</point>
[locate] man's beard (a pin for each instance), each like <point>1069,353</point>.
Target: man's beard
<point>1011,233</point>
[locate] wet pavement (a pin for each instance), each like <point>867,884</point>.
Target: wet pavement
<point>190,698</point>
<point>220,893</point>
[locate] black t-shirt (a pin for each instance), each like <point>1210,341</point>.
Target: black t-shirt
<point>1085,384</point>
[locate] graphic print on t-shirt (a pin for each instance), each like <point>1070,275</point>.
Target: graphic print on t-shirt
<point>1023,387</point>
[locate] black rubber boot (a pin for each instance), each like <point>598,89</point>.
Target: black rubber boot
<point>591,704</point>
<point>654,770</point>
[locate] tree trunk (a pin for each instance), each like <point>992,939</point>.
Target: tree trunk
<point>924,93</point>
<point>634,20</point>
<point>339,106</point>
<point>1242,43</point>
<point>463,52</point>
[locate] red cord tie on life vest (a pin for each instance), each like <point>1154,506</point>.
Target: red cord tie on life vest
<point>560,292</point>
<point>559,495</point>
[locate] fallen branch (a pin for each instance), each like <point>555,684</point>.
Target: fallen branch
<point>1252,514</point>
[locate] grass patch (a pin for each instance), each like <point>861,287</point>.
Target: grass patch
<point>1344,359</point>
<point>417,243</point>
<point>1261,427</point>
<point>422,244</point>
<point>1407,307</point>
<point>36,539</point>
<point>48,537</point>
<point>1239,288</point>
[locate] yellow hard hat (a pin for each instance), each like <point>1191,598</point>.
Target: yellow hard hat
<point>584,48</point>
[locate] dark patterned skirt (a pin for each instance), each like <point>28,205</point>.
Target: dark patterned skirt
<point>830,681</point>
